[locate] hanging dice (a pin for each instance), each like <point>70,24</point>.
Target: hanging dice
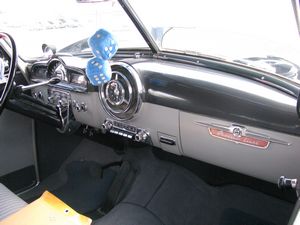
<point>103,44</point>
<point>98,71</point>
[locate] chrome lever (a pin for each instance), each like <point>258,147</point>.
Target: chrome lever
<point>22,88</point>
<point>59,108</point>
<point>63,108</point>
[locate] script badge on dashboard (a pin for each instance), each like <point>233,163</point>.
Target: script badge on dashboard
<point>236,137</point>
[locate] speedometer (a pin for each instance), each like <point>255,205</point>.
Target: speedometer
<point>57,69</point>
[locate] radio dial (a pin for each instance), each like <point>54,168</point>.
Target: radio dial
<point>106,126</point>
<point>141,136</point>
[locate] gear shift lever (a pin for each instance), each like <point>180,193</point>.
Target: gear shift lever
<point>21,88</point>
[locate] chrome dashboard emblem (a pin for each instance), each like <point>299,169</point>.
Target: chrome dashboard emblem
<point>240,135</point>
<point>237,132</point>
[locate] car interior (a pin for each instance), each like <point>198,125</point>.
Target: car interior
<point>165,138</point>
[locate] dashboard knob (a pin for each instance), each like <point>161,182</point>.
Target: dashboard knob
<point>51,99</point>
<point>77,107</point>
<point>106,126</point>
<point>141,136</point>
<point>62,102</point>
<point>40,95</point>
<point>83,107</point>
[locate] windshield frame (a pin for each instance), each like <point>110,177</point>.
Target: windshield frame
<point>140,26</point>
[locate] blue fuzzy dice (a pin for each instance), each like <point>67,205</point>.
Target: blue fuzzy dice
<point>103,44</point>
<point>98,71</point>
<point>104,47</point>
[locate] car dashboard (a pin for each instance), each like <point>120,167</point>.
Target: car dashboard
<point>192,110</point>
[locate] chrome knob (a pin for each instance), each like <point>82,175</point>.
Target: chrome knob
<point>141,136</point>
<point>51,99</point>
<point>62,102</point>
<point>77,107</point>
<point>106,126</point>
<point>40,95</point>
<point>83,107</point>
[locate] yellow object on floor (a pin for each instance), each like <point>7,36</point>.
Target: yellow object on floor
<point>47,210</point>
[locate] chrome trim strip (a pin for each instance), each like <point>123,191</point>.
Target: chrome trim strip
<point>69,87</point>
<point>64,86</point>
<point>245,132</point>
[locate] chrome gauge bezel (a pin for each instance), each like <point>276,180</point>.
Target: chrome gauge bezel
<point>131,83</point>
<point>56,68</point>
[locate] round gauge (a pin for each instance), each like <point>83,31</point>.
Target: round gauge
<point>115,92</point>
<point>57,69</point>
<point>60,72</point>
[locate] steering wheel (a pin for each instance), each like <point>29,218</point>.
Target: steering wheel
<point>6,80</point>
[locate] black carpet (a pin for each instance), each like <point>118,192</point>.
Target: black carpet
<point>86,187</point>
<point>237,217</point>
<point>166,194</point>
<point>162,193</point>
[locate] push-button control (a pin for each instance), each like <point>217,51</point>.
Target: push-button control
<point>125,130</point>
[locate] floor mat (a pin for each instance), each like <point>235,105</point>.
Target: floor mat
<point>86,151</point>
<point>170,193</point>
<point>237,217</point>
<point>178,197</point>
<point>86,187</point>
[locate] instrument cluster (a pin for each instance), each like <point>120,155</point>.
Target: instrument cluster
<point>70,77</point>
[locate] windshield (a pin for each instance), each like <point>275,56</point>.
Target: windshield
<point>259,33</point>
<point>62,22</point>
